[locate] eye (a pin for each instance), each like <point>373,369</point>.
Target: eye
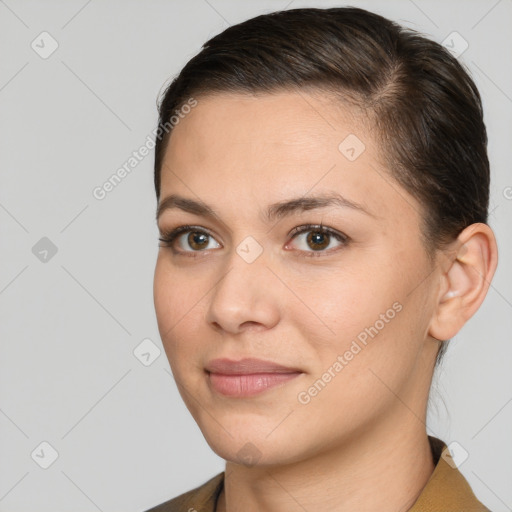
<point>317,239</point>
<point>196,239</point>
<point>313,240</point>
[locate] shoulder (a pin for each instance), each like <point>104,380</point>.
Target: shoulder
<point>447,489</point>
<point>200,499</point>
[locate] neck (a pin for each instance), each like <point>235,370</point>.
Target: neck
<point>385,471</point>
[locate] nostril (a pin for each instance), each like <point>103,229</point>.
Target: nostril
<point>252,326</point>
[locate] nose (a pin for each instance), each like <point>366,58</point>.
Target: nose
<point>245,298</point>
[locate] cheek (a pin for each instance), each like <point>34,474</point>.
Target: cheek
<point>164,295</point>
<point>349,302</point>
<point>361,367</point>
<point>367,314</point>
<point>175,292</point>
<point>177,303</point>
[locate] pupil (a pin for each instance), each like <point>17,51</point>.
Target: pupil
<point>197,240</point>
<point>318,239</point>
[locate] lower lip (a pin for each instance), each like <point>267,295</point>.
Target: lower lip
<point>248,385</point>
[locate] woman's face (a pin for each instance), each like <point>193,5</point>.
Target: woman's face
<point>347,310</point>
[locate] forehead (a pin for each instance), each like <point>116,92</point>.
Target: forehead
<point>275,146</point>
<point>240,133</point>
<point>282,118</point>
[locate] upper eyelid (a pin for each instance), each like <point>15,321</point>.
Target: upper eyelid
<point>319,227</point>
<point>296,230</point>
<point>304,228</point>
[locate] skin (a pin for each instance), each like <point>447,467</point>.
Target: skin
<point>360,443</point>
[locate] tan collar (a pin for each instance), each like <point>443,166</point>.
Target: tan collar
<point>446,490</point>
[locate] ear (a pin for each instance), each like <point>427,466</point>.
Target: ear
<point>468,268</point>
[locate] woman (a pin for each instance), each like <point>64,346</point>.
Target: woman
<point>322,182</point>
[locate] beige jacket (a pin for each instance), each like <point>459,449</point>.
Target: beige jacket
<point>446,491</point>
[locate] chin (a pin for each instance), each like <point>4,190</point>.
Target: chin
<point>248,443</point>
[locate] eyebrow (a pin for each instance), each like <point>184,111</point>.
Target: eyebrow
<point>275,211</point>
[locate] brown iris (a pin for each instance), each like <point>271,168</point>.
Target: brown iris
<point>197,240</point>
<point>319,239</point>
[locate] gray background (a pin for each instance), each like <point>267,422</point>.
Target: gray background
<point>70,324</point>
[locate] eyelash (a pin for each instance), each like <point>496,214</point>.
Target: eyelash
<point>169,237</point>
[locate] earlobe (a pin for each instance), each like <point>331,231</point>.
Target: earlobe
<point>465,281</point>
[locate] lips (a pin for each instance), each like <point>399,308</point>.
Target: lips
<point>247,377</point>
<point>247,366</point>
